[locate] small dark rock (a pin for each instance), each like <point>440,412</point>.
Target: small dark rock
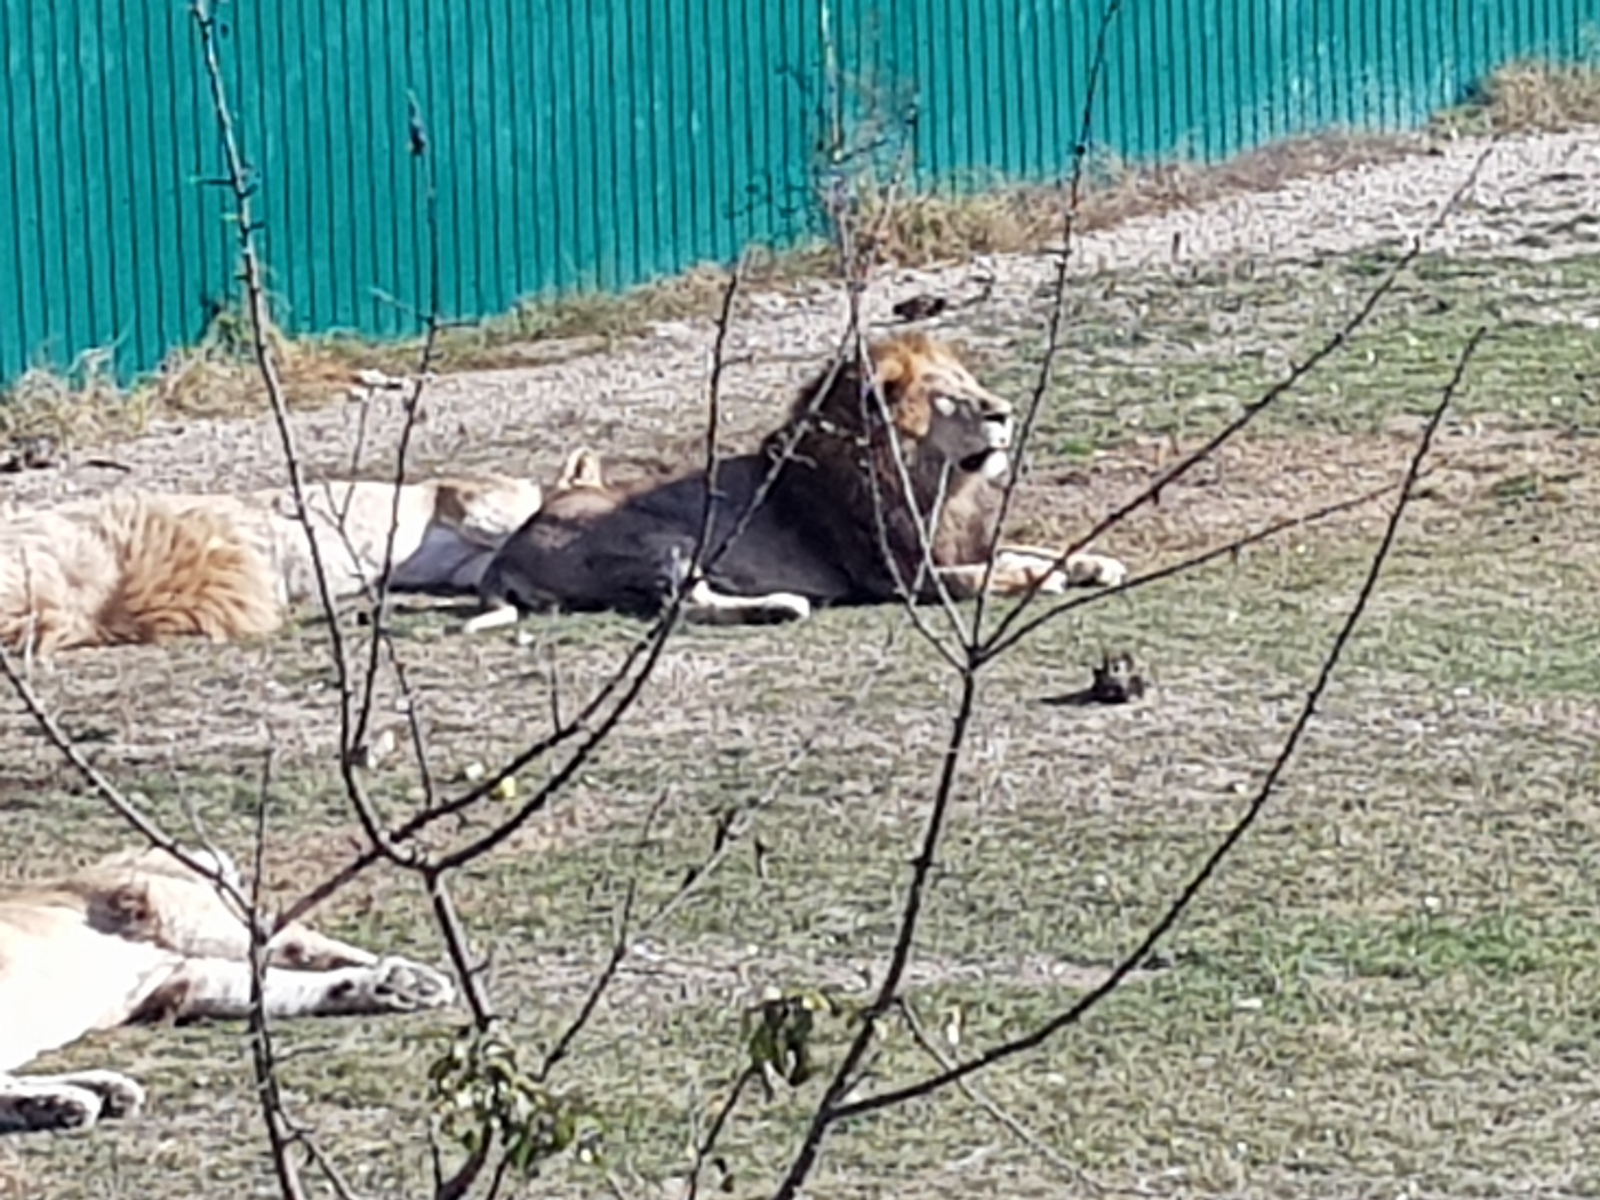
<point>1115,682</point>
<point>921,307</point>
<point>32,453</point>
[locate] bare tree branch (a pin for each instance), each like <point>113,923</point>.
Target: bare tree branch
<point>719,1126</point>
<point>280,1134</point>
<point>1298,371</point>
<point>1194,562</point>
<point>967,668</point>
<point>1015,1126</point>
<point>1215,860</point>
<point>731,829</point>
<point>1058,307</point>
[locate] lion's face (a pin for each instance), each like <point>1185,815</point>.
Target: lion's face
<point>971,432</point>
<point>954,419</point>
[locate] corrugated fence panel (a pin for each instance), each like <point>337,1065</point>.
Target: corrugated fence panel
<point>595,144</point>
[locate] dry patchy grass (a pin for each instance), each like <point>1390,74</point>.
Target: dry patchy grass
<point>1532,95</point>
<point>928,228</point>
<point>1390,986</point>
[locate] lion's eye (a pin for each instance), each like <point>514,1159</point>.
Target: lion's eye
<point>944,405</point>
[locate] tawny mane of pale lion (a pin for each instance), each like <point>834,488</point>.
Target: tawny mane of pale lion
<point>143,567</point>
<point>852,488</point>
<point>129,567</point>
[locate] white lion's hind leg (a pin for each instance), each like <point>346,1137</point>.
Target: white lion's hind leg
<point>220,988</point>
<point>38,1103</point>
<point>497,617</point>
<point>706,606</point>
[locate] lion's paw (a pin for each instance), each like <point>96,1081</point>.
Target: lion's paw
<point>778,608</point>
<point>400,985</point>
<point>41,1108</point>
<point>119,1096</point>
<point>707,606</point>
<point>1095,570</point>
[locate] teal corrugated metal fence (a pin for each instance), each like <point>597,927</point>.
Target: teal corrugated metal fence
<point>586,144</point>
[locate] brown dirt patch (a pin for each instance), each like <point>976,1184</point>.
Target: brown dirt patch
<point>1253,482</point>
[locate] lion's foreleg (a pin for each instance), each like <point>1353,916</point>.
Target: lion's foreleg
<point>220,988</point>
<point>304,949</point>
<point>705,605</point>
<point>1018,569</point>
<point>496,617</point>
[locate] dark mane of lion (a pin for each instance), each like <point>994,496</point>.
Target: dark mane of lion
<point>844,488</point>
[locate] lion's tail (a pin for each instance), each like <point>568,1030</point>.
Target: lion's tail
<point>183,572</point>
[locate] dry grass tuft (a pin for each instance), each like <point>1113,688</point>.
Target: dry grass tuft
<point>84,404</point>
<point>1537,96</point>
<point>217,377</point>
<point>929,228</point>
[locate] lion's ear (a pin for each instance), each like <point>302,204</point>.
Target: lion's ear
<point>893,374</point>
<point>893,369</point>
<point>582,470</point>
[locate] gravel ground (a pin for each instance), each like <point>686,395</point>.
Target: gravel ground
<point>1533,198</point>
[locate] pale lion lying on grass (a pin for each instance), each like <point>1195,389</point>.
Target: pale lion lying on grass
<point>843,523</point>
<point>138,567</point>
<point>140,937</point>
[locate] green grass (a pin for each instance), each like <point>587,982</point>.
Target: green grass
<point>1166,354</point>
<point>1389,985</point>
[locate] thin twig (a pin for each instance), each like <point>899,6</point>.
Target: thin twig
<point>1228,549</point>
<point>280,1133</point>
<point>238,182</point>
<point>719,1125</point>
<point>1013,1124</point>
<point>103,786</point>
<point>413,408</point>
<point>619,951</point>
<point>712,459</point>
<point>730,832</point>
<point>341,1186</point>
<point>455,939</point>
<point>1058,306</point>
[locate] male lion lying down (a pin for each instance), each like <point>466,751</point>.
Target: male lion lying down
<point>140,937</point>
<point>134,566</point>
<point>820,535</point>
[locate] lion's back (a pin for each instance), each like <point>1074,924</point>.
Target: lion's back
<point>592,548</point>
